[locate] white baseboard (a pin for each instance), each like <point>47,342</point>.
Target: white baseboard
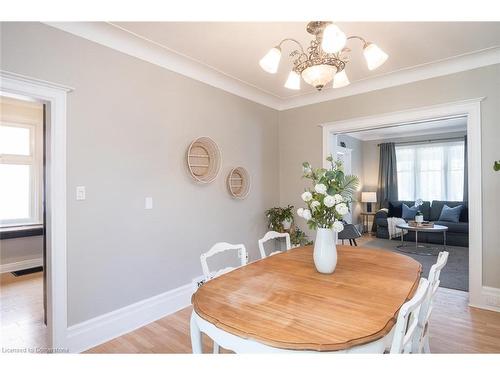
<point>489,300</point>
<point>21,265</point>
<point>95,331</point>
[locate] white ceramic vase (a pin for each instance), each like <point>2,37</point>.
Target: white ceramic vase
<point>325,251</point>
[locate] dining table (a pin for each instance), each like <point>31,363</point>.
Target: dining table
<point>282,304</point>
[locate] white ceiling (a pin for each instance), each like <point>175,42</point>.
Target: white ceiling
<point>410,130</point>
<point>235,49</point>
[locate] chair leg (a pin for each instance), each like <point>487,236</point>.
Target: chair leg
<point>350,242</point>
<point>354,240</point>
<point>216,348</point>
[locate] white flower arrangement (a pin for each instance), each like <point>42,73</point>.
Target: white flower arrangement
<point>306,196</point>
<point>329,199</point>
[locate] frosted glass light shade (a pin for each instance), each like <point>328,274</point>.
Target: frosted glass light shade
<point>271,60</point>
<point>319,75</point>
<point>374,56</point>
<point>333,39</point>
<point>293,81</point>
<point>340,80</point>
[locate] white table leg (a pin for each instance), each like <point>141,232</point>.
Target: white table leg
<point>196,342</point>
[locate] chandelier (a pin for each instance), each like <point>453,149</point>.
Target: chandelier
<point>325,58</point>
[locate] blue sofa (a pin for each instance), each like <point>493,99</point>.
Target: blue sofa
<point>457,235</point>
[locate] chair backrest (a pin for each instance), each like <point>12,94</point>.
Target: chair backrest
<point>219,248</point>
<point>426,309</point>
<point>271,235</point>
<point>407,322</point>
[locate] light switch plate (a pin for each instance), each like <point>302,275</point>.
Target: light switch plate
<point>148,203</point>
<point>80,193</point>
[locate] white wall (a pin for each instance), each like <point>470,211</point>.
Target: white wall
<point>356,146</point>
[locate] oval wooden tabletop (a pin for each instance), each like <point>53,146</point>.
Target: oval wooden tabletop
<point>282,301</point>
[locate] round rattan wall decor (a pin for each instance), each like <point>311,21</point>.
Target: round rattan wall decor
<point>238,183</point>
<point>204,160</point>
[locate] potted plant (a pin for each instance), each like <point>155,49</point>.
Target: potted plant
<point>419,216</point>
<point>280,219</point>
<point>299,238</point>
<point>327,202</point>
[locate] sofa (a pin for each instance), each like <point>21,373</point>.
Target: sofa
<point>457,234</point>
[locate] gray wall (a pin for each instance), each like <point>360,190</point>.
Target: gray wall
<point>17,249</point>
<point>300,138</point>
<point>129,125</point>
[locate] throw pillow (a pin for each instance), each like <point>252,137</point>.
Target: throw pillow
<point>450,214</point>
<point>409,213</point>
<point>394,209</point>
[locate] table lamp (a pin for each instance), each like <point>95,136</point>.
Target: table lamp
<point>368,197</point>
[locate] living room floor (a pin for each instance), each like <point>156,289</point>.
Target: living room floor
<point>454,276</point>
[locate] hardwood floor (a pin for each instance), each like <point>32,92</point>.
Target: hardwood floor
<point>21,311</point>
<point>455,328</point>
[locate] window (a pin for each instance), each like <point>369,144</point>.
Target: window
<point>20,174</point>
<point>431,171</point>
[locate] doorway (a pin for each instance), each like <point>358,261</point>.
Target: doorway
<point>53,96</point>
<point>470,109</point>
<point>421,168</point>
<point>22,225</point>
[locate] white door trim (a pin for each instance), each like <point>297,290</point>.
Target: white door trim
<point>470,108</point>
<point>54,95</point>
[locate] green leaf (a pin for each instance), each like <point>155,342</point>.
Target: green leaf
<point>348,186</point>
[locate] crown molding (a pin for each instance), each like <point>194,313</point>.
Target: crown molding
<point>134,45</point>
<point>439,68</point>
<point>118,39</point>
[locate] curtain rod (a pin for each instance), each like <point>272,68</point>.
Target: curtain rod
<point>428,141</point>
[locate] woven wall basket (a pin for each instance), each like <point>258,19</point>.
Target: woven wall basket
<point>204,160</point>
<point>238,183</point>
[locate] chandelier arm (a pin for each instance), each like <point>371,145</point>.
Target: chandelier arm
<point>292,40</point>
<point>363,40</point>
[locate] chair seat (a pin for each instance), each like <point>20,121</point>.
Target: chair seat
<point>350,232</point>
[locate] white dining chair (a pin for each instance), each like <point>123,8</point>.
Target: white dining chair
<point>406,327</point>
<point>218,248</point>
<point>421,340</point>
<point>271,235</point>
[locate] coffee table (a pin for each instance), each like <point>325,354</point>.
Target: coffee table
<point>420,249</point>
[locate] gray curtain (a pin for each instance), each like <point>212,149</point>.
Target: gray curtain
<point>466,173</point>
<point>387,175</point>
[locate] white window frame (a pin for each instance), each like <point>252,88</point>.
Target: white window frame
<point>35,160</point>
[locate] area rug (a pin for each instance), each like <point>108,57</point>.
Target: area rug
<point>455,275</point>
